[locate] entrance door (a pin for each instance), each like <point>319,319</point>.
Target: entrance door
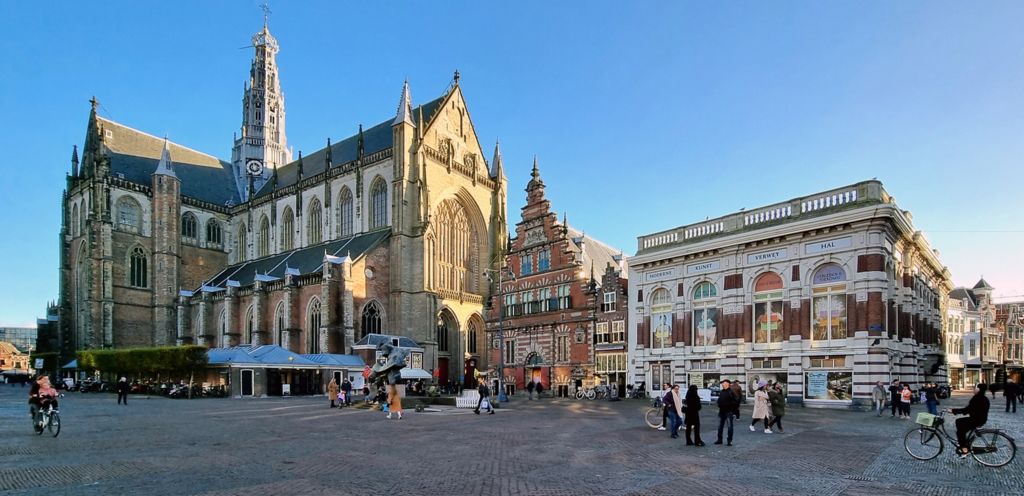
<point>247,382</point>
<point>442,374</point>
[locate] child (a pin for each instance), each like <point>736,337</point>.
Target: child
<point>905,397</point>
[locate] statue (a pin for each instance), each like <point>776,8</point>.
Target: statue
<point>391,372</point>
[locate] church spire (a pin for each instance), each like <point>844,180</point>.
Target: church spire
<point>74,161</point>
<point>330,160</point>
<point>404,113</point>
<point>299,165</point>
<point>535,181</point>
<point>497,167</point>
<point>165,167</point>
<point>360,143</point>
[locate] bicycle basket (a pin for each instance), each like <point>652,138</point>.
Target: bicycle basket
<point>926,419</point>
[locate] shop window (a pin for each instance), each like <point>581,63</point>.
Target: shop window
<point>661,318</point>
<point>705,315</point>
<point>768,309</point>
<point>601,334</point>
<point>828,314</point>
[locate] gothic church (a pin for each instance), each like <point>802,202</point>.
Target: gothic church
<point>390,230</point>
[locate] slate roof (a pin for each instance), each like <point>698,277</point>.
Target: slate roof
<point>266,355</point>
<point>595,252</point>
<point>375,339</point>
<point>334,359</point>
<point>307,260</point>
<point>982,284</point>
<point>960,294</point>
<point>375,139</point>
<point>134,156</point>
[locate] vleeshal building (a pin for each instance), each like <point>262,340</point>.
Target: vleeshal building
<point>826,293</point>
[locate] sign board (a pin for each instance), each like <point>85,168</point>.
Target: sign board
<point>661,275</point>
<point>39,363</point>
<point>703,267</point>
<point>705,395</point>
<point>286,389</point>
<point>828,245</point>
<point>817,384</point>
<point>767,256</point>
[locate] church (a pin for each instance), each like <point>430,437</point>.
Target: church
<point>390,230</point>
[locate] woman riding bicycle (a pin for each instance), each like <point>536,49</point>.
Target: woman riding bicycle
<point>977,414</point>
<point>41,396</point>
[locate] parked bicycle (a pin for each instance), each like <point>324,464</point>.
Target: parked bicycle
<point>587,393</point>
<point>47,418</point>
<point>990,447</point>
<point>653,414</point>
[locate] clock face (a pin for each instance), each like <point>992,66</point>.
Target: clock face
<point>254,166</point>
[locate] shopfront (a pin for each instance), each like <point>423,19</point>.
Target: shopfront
<point>828,382</point>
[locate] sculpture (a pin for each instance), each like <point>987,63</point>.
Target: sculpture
<point>391,368</point>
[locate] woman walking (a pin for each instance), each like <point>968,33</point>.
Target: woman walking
<point>692,411</point>
<point>332,392</point>
<point>878,395</point>
<point>905,397</point>
<point>777,398</point>
<point>761,409</point>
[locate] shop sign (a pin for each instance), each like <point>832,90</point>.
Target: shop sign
<point>661,275</point>
<point>703,267</point>
<point>829,274</point>
<point>767,256</point>
<point>829,245</point>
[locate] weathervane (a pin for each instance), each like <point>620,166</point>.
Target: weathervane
<point>266,12</point>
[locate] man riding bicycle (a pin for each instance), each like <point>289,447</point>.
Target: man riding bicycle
<point>977,414</point>
<point>40,397</point>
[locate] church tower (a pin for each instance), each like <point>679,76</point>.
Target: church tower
<point>166,226</point>
<point>263,145</point>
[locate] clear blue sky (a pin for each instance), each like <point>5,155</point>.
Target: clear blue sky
<point>645,115</point>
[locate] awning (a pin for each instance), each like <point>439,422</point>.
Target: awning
<point>408,373</point>
<point>73,364</point>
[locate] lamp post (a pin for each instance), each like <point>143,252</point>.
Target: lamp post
<point>502,396</point>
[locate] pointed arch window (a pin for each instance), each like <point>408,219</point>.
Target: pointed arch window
<point>74,220</point>
<point>242,242</point>
<point>279,324</point>
<point>263,238</point>
<point>138,268</point>
<point>378,204</point>
<point>456,250</point>
<point>315,228</point>
<point>371,320</point>
<point>214,238</point>
<point>250,325</point>
<point>189,232</point>
<point>345,213</point>
<point>471,338</point>
<point>287,229</point>
<point>313,317</point>
<point>222,327</point>
<point>129,215</point>
<point>442,334</point>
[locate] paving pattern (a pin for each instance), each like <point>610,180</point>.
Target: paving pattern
<point>545,448</point>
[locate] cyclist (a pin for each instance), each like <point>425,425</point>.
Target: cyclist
<point>977,414</point>
<point>40,396</point>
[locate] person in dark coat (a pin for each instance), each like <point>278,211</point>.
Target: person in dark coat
<point>346,387</point>
<point>777,399</point>
<point>529,390</point>
<point>977,414</point>
<point>539,388</point>
<point>485,393</point>
<point>728,404</point>
<point>1011,390</point>
<point>894,397</point>
<point>122,391</point>
<point>691,408</point>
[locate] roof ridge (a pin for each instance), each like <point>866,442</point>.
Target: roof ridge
<point>179,145</point>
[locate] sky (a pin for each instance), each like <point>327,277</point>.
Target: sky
<point>643,115</point>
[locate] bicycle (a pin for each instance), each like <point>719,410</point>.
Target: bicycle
<point>587,393</point>
<point>48,418</point>
<point>653,414</point>
<point>990,447</point>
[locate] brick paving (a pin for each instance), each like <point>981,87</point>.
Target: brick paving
<point>549,448</point>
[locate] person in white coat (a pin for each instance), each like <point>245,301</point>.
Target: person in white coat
<point>762,408</point>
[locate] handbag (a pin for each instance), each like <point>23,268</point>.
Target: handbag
<point>485,404</point>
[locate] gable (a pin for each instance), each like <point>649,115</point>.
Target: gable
<point>453,124</point>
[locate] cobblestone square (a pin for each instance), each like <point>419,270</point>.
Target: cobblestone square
<point>549,447</point>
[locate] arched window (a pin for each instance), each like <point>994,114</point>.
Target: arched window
<point>313,317</point>
<point>222,328</point>
<point>705,315</point>
<point>279,324</point>
<point>345,212</point>
<point>74,221</point>
<point>84,218</point>
<point>768,308</point>
<point>263,238</point>
<point>371,321</point>
<point>243,242</point>
<point>129,215</point>
<point>287,229</point>
<point>250,326</point>
<point>456,248</point>
<point>315,225</point>
<point>661,318</point>
<point>189,232</point>
<point>378,204</point>
<point>472,338</point>
<point>138,268</point>
<point>214,239</point>
<point>442,334</point>
<point>828,314</point>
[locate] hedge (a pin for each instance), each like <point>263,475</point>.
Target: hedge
<point>170,361</point>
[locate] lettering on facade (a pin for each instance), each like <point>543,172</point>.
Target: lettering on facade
<point>829,245</point>
<point>767,256</point>
<point>703,267</point>
<point>661,275</point>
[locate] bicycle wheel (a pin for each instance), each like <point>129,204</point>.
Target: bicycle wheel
<point>923,443</point>
<point>591,394</point>
<point>579,395</point>
<point>653,417</point>
<point>54,424</point>
<point>37,427</point>
<point>993,448</point>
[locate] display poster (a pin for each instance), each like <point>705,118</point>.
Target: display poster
<point>705,322</point>
<point>772,378</point>
<point>696,379</point>
<point>662,324</point>
<point>829,385</point>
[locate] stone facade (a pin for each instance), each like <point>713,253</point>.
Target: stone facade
<point>828,294</point>
<point>1010,320</point>
<point>973,339</point>
<point>392,229</point>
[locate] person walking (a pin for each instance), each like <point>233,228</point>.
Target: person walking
<point>906,396</point>
<point>529,390</point>
<point>878,394</point>
<point>484,399</point>
<point>366,393</point>
<point>977,414</point>
<point>332,392</point>
<point>1011,390</point>
<point>539,389</point>
<point>762,409</point>
<point>777,398</point>
<point>737,392</point>
<point>122,391</point>
<point>674,403</point>
<point>931,398</point>
<point>666,389</point>
<point>894,398</point>
<point>394,401</point>
<point>691,408</point>
<point>346,388</point>
<point>727,406</point>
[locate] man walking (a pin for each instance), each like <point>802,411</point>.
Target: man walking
<point>728,404</point>
<point>529,390</point>
<point>346,387</point>
<point>894,396</point>
<point>122,391</point>
<point>1011,390</point>
<point>485,396</point>
<point>539,388</point>
<point>878,395</point>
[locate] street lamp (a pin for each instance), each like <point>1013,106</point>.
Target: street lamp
<point>502,396</point>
